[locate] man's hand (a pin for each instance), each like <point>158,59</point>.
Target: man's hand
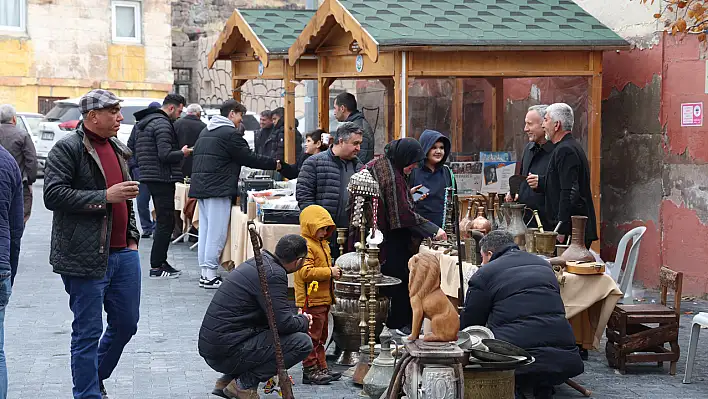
<point>278,165</point>
<point>336,272</point>
<point>122,192</point>
<point>532,180</point>
<point>186,151</point>
<point>132,244</point>
<point>309,318</point>
<point>509,199</point>
<point>441,235</point>
<point>561,238</point>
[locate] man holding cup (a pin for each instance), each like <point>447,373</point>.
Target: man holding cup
<point>94,244</point>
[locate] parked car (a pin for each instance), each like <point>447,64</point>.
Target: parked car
<point>29,122</point>
<point>65,116</point>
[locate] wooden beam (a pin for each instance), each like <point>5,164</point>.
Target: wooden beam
<point>389,104</point>
<point>289,102</point>
<point>595,137</point>
<point>499,63</point>
<point>334,9</point>
<point>497,113</point>
<point>323,98</point>
<point>237,28</point>
<point>344,66</point>
<point>236,89</point>
<point>457,115</point>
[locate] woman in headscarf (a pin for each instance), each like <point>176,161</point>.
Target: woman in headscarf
<point>402,228</point>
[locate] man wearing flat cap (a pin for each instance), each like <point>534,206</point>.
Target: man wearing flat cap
<point>94,245</point>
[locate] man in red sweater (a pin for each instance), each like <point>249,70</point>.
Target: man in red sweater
<point>95,240</point>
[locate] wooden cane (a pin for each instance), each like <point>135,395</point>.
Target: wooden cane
<point>579,388</point>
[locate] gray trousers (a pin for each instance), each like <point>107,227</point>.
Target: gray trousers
<point>214,217</point>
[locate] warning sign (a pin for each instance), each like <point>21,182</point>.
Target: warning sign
<point>692,114</point>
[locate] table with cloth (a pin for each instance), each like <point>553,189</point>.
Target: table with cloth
<point>588,299</point>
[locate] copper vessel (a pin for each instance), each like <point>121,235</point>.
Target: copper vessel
<point>466,222</point>
<point>517,227</point>
<point>545,242</point>
<point>481,222</point>
<point>576,250</point>
<point>531,240</point>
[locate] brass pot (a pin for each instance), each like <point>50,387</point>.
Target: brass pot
<point>531,240</point>
<point>545,242</point>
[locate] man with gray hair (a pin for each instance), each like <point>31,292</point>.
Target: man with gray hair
<point>566,184</point>
<point>324,177</point>
<point>188,130</point>
<point>19,144</point>
<point>534,161</point>
<point>517,296</point>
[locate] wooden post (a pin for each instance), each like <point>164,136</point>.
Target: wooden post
<point>289,103</point>
<point>389,105</point>
<point>457,115</point>
<point>323,97</point>
<point>595,135</point>
<point>236,90</point>
<point>497,113</point>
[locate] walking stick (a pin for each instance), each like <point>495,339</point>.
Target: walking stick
<point>283,380</point>
<point>456,215</point>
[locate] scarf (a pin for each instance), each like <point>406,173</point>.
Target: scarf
<point>396,209</point>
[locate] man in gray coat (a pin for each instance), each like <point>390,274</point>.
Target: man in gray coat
<point>324,177</point>
<point>19,144</point>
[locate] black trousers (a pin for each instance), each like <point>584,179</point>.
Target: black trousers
<point>254,361</point>
<point>163,197</point>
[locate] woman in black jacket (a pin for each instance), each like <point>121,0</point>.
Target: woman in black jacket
<point>517,296</point>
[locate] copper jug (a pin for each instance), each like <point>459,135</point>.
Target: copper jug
<point>481,222</point>
<point>466,222</point>
<point>517,227</point>
<point>576,251</point>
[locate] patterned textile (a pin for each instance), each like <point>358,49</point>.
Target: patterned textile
<point>97,99</point>
<point>397,211</point>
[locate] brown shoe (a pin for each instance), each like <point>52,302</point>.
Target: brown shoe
<point>220,384</point>
<point>234,392</point>
<point>315,376</point>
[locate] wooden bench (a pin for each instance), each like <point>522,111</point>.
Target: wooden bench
<point>630,338</point>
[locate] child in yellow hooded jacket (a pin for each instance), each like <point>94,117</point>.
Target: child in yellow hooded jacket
<point>316,226</point>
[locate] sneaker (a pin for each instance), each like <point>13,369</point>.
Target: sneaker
<point>202,281</point>
<point>335,375</point>
<point>162,272</point>
<point>146,234</point>
<point>233,391</point>
<point>213,284</point>
<point>220,384</point>
<point>104,394</point>
<point>171,269</point>
<point>315,376</point>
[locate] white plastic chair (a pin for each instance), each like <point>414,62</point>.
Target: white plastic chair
<point>614,268</point>
<point>701,319</point>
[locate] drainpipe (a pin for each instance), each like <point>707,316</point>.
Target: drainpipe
<point>404,86</point>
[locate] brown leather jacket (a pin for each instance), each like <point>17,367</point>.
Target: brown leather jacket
<point>19,144</point>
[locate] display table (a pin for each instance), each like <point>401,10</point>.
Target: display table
<point>588,299</point>
<point>238,246</point>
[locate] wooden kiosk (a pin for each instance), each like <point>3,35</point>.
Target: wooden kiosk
<point>257,42</point>
<point>398,40</point>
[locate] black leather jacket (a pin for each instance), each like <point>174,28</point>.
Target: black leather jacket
<point>75,189</point>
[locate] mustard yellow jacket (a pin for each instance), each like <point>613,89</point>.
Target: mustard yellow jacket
<point>319,259</point>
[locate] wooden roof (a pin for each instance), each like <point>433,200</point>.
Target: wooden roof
<point>269,32</point>
<point>478,24</point>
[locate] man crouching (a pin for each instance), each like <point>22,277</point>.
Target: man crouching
<point>235,338</point>
<point>517,296</point>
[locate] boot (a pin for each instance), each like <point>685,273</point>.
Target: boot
<point>220,384</point>
<point>233,391</point>
<point>313,375</point>
<point>333,374</point>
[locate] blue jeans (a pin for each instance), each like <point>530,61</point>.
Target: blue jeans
<point>5,291</point>
<point>119,292</point>
<point>143,201</point>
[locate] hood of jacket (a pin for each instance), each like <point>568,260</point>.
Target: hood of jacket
<point>148,115</point>
<point>313,218</point>
<point>429,138</point>
<point>218,121</point>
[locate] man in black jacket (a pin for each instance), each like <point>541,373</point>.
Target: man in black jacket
<point>262,135</point>
<point>324,177</point>
<point>516,295</point>
<point>95,239</point>
<point>566,184</point>
<point>345,110</point>
<point>160,158</point>
<point>274,145</point>
<point>534,160</point>
<point>143,200</point>
<point>218,156</point>
<point>188,129</point>
<point>235,338</point>
<point>19,143</point>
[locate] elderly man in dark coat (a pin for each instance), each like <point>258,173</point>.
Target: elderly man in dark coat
<point>516,295</point>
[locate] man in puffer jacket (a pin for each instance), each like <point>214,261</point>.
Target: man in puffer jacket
<point>516,295</point>
<point>219,154</point>
<point>159,160</point>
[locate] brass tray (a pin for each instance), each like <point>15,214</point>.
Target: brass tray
<point>574,267</point>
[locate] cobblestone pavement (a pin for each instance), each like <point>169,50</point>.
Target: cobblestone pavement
<point>162,360</point>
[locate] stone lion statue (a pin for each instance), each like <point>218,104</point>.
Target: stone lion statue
<point>428,300</point>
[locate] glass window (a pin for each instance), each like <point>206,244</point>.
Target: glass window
<point>33,124</point>
<point>126,21</point>
<point>21,124</point>
<point>63,112</point>
<point>12,15</point>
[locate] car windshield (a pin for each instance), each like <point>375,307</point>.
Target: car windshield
<point>63,112</point>
<point>250,122</point>
<point>33,123</point>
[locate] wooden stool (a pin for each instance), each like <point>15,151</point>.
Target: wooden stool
<point>631,340</point>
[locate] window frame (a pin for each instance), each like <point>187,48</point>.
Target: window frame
<point>23,20</point>
<point>137,13</point>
